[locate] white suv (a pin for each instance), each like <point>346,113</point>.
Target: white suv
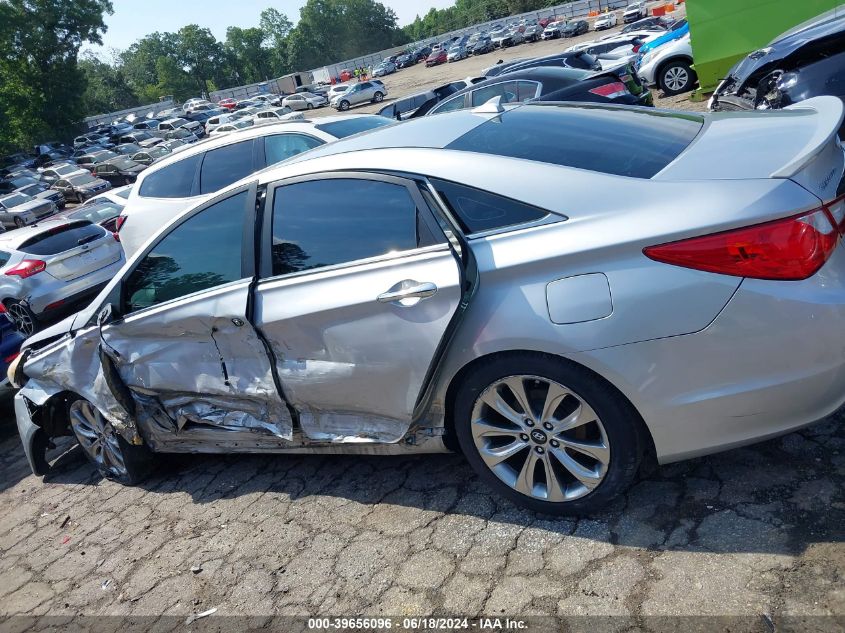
<point>185,178</point>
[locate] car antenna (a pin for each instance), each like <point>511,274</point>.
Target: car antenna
<point>492,106</point>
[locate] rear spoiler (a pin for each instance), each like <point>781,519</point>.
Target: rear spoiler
<point>830,111</point>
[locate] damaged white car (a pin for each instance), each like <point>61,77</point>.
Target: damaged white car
<point>421,288</point>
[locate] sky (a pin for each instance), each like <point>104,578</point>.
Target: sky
<point>133,20</point>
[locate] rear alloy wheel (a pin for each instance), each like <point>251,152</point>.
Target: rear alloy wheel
<point>113,456</point>
<point>344,105</point>
<point>23,318</point>
<point>378,97</point>
<point>676,77</point>
<point>79,198</point>
<point>310,106</point>
<point>19,222</point>
<point>547,434</point>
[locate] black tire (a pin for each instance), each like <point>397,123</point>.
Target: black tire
<point>620,421</point>
<point>378,97</point>
<point>79,199</point>
<point>670,75</point>
<point>19,223</point>
<point>310,106</point>
<point>138,461</point>
<point>344,105</point>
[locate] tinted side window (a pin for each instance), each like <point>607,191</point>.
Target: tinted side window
<point>327,222</point>
<point>508,90</point>
<point>4,258</point>
<point>202,252</point>
<point>456,103</point>
<point>526,90</point>
<point>173,181</point>
<point>280,147</point>
<point>479,210</point>
<point>62,239</point>
<point>225,165</point>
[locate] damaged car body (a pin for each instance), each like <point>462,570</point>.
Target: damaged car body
<point>337,303</point>
<point>807,61</point>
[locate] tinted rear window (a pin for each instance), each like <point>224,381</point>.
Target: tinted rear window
<point>620,142</point>
<point>173,181</point>
<point>61,239</point>
<point>348,127</point>
<point>479,210</point>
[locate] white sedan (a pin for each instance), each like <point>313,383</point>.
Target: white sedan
<point>304,101</point>
<point>605,21</point>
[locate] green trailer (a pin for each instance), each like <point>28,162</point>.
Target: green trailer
<point>724,31</point>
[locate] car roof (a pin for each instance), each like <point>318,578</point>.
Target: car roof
<point>219,140</point>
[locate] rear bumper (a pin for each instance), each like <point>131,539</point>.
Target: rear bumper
<point>771,362</point>
<point>75,294</point>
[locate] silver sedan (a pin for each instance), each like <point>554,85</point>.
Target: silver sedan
<point>557,291</point>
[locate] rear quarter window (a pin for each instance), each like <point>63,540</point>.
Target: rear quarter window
<point>4,258</point>
<point>174,181</point>
<point>628,143</point>
<point>62,238</point>
<point>478,211</point>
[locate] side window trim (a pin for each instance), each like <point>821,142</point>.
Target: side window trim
<point>247,247</point>
<point>265,266</point>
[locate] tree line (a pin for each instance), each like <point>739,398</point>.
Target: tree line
<point>47,87</point>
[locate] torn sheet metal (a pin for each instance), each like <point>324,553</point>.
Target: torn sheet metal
<point>338,427</point>
<point>73,364</point>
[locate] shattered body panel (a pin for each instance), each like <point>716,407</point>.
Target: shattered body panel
<point>353,367</point>
<point>800,65</point>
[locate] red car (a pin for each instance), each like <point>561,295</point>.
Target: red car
<point>437,57</point>
<point>229,104</point>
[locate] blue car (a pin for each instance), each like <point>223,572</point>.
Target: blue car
<point>679,29</point>
<point>10,345</point>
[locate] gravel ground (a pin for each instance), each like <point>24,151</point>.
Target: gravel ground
<point>753,536</point>
<point>750,534</point>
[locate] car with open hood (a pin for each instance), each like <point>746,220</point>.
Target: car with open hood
<point>806,61</point>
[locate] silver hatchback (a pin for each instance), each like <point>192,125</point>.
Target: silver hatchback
<point>365,92</point>
<point>52,267</point>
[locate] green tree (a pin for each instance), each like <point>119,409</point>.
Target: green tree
<point>276,28</point>
<point>201,55</point>
<point>106,87</point>
<point>249,59</point>
<point>41,85</point>
<point>334,30</point>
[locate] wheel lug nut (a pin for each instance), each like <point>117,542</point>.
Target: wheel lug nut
<point>539,450</point>
<point>523,437</point>
<point>548,426</point>
<point>529,422</point>
<point>554,443</point>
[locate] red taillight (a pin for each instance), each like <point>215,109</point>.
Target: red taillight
<point>637,48</point>
<point>836,209</point>
<point>788,250</point>
<point>11,357</point>
<point>27,268</point>
<point>55,304</point>
<point>116,236</point>
<point>611,90</point>
<point>2,308</point>
<point>121,220</point>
